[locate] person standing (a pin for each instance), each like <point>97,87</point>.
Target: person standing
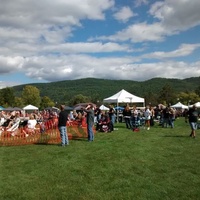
<point>172,115</point>
<point>147,115</point>
<point>127,116</point>
<point>111,114</point>
<point>192,115</point>
<point>90,121</point>
<point>165,114</point>
<point>62,126</point>
<point>152,115</point>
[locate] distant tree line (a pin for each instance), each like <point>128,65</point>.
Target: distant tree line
<point>95,90</point>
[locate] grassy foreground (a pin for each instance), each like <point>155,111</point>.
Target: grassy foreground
<point>161,163</point>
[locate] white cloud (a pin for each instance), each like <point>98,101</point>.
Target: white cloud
<point>172,18</point>
<point>140,2</point>
<point>53,68</point>
<point>124,14</point>
<point>9,64</point>
<point>177,15</point>
<point>183,50</point>
<point>38,38</point>
<point>81,47</point>
<point>141,32</point>
<point>28,21</point>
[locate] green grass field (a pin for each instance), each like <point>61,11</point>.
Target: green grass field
<point>161,163</point>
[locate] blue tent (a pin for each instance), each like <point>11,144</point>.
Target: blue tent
<point>69,108</point>
<point>1,108</point>
<point>119,108</point>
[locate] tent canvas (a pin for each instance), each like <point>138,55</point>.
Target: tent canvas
<point>197,104</point>
<point>102,107</point>
<point>124,97</point>
<point>119,108</point>
<point>1,108</point>
<point>30,107</point>
<point>68,108</point>
<point>179,105</point>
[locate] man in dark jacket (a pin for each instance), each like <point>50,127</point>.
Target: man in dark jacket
<point>62,126</point>
<point>90,121</point>
<point>192,115</point>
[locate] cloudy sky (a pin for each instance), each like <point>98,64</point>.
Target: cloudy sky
<point>47,41</point>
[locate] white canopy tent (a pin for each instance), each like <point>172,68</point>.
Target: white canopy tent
<point>30,107</point>
<point>197,104</point>
<point>102,107</point>
<point>124,97</point>
<point>179,105</point>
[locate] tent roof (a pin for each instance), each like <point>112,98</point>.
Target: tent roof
<point>179,105</point>
<point>197,104</point>
<point>68,108</point>
<point>102,107</point>
<point>124,97</point>
<point>30,107</point>
<point>119,108</point>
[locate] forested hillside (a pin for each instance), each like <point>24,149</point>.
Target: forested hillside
<point>102,88</point>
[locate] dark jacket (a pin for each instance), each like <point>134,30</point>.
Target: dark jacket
<point>63,117</point>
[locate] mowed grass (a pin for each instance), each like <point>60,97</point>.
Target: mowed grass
<point>161,163</point>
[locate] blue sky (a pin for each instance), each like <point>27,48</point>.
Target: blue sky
<point>47,41</point>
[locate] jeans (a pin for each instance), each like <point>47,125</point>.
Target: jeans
<point>171,122</point>
<point>193,125</point>
<point>165,122</point>
<point>112,122</point>
<point>63,135</point>
<point>128,122</point>
<point>113,119</point>
<point>90,132</point>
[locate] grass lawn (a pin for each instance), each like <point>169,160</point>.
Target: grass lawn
<point>161,163</point>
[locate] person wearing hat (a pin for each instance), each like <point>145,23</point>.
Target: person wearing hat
<point>192,116</point>
<point>90,121</point>
<point>62,126</point>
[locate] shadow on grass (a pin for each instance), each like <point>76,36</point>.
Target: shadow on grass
<point>74,138</point>
<point>46,144</point>
<point>79,138</point>
<point>184,136</point>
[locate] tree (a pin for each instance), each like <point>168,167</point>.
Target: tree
<point>151,98</point>
<point>19,102</point>
<point>188,97</point>
<point>78,99</point>
<point>7,97</point>
<point>197,91</point>
<point>31,95</point>
<point>167,95</point>
<point>95,98</point>
<point>46,102</point>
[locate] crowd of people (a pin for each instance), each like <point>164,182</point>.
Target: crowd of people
<point>93,117</point>
<point>31,122</point>
<point>134,117</point>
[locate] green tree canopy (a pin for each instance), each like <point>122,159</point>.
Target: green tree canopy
<point>167,95</point>
<point>79,99</point>
<point>7,97</point>
<point>197,91</point>
<point>188,97</point>
<point>31,95</point>
<point>19,102</point>
<point>46,102</point>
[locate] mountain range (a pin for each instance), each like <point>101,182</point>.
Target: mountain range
<point>102,88</point>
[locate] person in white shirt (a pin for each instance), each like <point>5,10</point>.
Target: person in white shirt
<point>147,115</point>
<point>31,126</point>
<point>31,122</point>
